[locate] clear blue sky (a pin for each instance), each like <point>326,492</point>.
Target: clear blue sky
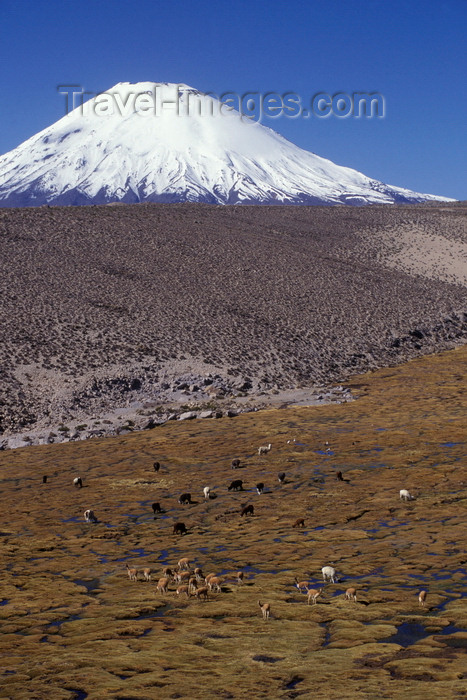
<point>412,52</point>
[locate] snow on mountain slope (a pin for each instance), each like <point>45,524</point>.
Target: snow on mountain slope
<point>130,145</point>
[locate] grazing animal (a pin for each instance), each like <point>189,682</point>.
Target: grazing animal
<point>265,609</point>
<point>236,485</point>
<point>264,449</point>
<point>313,594</point>
<point>247,510</point>
<point>404,495</point>
<point>329,574</point>
<point>235,463</point>
<point>157,466</point>
<point>185,498</point>
<point>207,492</point>
<point>162,585</point>
<point>183,589</point>
<point>89,516</point>
<point>146,574</point>
<point>215,582</point>
<point>180,576</point>
<point>351,594</point>
<point>300,522</point>
<point>184,564</point>
<point>281,477</point>
<point>208,578</point>
<point>240,576</point>
<point>179,529</point>
<point>167,571</point>
<point>132,573</point>
<point>192,583</point>
<point>44,479</point>
<point>77,481</point>
<point>156,507</point>
<point>198,574</point>
<point>422,598</point>
<point>201,593</point>
<point>260,488</point>
<point>339,476</point>
<point>301,584</point>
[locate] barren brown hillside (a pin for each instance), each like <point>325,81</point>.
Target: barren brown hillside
<point>97,301</point>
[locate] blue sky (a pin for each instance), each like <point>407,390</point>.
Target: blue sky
<point>411,52</point>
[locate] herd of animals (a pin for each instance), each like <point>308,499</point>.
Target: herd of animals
<point>193,582</point>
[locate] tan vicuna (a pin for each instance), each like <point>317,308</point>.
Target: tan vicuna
<point>215,583</point>
<point>264,449</point>
<point>192,583</point>
<point>301,585</point>
<point>313,594</point>
<point>240,576</point>
<point>183,590</point>
<point>201,593</point>
<point>184,564</point>
<point>208,577</point>
<point>182,576</point>
<point>167,571</point>
<point>198,572</point>
<point>422,598</point>
<point>265,609</point>
<point>162,585</point>
<point>146,574</point>
<point>132,573</point>
<point>351,594</point>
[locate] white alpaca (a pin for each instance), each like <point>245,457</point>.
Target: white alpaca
<point>264,449</point>
<point>329,574</point>
<point>405,495</point>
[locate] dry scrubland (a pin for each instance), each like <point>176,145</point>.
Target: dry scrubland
<point>95,300</point>
<point>74,626</point>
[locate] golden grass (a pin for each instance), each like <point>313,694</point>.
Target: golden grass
<point>73,625</point>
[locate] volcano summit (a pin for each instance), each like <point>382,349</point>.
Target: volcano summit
<point>115,148</point>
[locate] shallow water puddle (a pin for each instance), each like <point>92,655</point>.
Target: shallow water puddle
<point>407,634</point>
<point>78,694</point>
<point>90,584</point>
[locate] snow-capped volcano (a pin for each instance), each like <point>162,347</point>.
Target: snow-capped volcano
<point>170,143</point>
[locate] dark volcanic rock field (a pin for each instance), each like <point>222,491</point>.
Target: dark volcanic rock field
<point>100,304</point>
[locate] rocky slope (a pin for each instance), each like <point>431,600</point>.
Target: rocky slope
<point>143,307</point>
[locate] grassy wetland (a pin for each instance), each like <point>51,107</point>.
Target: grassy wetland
<point>74,625</point>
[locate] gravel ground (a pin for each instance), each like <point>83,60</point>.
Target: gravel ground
<point>137,312</point>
